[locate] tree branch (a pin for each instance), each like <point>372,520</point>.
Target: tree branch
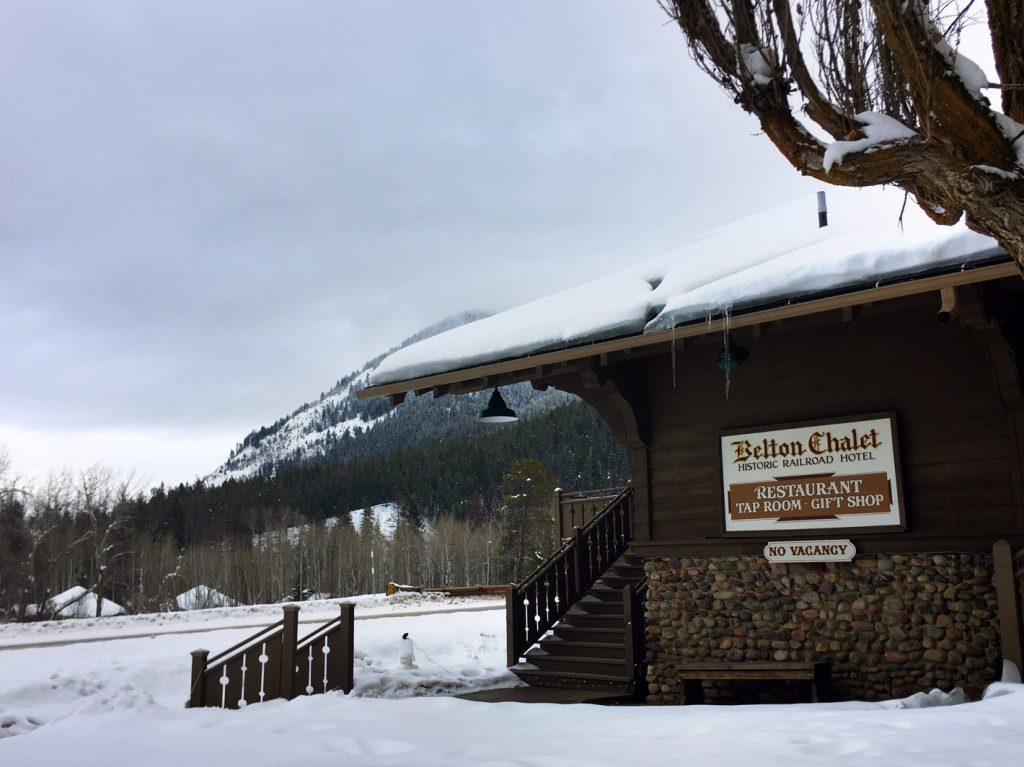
<point>819,109</point>
<point>1006,27</point>
<point>947,111</point>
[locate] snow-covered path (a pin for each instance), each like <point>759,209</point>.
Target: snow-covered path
<point>8,644</point>
<point>120,702</point>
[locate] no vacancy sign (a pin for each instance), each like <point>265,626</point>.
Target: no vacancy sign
<point>813,476</point>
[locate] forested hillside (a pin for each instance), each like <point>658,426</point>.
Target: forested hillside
<point>457,471</point>
<point>474,505</point>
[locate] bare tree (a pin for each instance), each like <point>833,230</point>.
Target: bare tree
<point>885,81</point>
<point>105,501</point>
<point>15,541</point>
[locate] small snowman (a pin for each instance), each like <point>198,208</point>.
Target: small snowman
<point>407,655</point>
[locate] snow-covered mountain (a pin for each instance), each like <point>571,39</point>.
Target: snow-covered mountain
<point>338,425</point>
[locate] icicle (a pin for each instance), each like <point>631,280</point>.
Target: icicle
<point>673,356</point>
<point>727,342</point>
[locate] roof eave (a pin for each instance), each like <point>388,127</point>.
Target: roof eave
<point>533,366</point>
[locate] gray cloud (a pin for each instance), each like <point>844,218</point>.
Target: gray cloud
<point>209,212</point>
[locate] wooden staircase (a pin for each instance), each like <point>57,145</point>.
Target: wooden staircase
<point>587,648</point>
<point>577,621</point>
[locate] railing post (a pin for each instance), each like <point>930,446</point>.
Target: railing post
<point>556,502</point>
<point>629,635</point>
<point>197,692</point>
<point>628,501</point>
<point>289,640</point>
<point>348,618</point>
<point>513,625</point>
<point>1008,602</point>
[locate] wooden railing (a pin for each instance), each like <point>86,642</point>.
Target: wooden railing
<point>540,601</point>
<point>578,509</point>
<point>1008,575</point>
<point>274,663</point>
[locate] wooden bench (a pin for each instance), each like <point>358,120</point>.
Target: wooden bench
<point>694,674</point>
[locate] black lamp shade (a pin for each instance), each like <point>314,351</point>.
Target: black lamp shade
<point>497,411</point>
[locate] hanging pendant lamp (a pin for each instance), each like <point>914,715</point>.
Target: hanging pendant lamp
<point>497,411</point>
<point>732,355</point>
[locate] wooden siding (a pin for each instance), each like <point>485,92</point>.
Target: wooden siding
<point>959,447</point>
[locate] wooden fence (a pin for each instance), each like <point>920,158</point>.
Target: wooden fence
<point>1009,581</point>
<point>393,588</point>
<point>275,663</point>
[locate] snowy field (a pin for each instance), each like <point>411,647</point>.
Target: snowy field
<point>83,698</point>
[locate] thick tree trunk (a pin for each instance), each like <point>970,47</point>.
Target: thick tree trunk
<point>961,161</point>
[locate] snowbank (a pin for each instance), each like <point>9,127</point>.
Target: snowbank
<point>76,602</point>
<point>203,598</point>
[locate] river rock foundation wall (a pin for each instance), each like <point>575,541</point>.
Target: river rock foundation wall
<point>892,625</point>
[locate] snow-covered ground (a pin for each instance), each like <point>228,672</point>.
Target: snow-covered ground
<point>120,702</point>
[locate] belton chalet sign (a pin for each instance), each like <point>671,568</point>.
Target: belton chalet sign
<point>816,476</point>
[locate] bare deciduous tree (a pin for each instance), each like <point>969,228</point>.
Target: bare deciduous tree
<point>104,500</point>
<point>884,74</point>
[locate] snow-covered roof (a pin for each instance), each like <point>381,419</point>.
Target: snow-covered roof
<point>77,602</point>
<point>202,598</point>
<point>777,255</point>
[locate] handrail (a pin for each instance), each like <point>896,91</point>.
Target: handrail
<point>545,565</point>
<point>327,628</point>
<point>259,636</point>
<point>535,605</point>
<point>586,495</point>
<point>592,523</point>
<point>571,542</point>
<point>321,631</point>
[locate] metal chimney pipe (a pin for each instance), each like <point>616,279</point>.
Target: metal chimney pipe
<point>822,210</point>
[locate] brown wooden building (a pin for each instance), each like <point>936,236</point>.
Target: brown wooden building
<point>928,348</point>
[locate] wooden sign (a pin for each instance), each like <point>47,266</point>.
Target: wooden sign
<point>816,476</point>
<point>810,551</point>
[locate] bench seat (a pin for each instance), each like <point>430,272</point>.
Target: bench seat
<point>693,675</point>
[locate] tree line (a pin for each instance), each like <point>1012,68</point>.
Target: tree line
<point>472,511</point>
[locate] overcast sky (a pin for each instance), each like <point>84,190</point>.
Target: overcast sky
<point>210,212</point>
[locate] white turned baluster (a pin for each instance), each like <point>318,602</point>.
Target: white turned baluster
<point>326,651</point>
<point>241,700</point>
<point>223,686</point>
<point>263,671</point>
<point>526,623</point>
<point>309,672</point>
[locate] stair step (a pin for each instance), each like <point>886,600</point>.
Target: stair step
<point>578,681</point>
<point>578,617</point>
<point>598,634</point>
<point>574,664</point>
<point>586,649</point>
<point>596,606</point>
<point>633,572</point>
<point>606,593</point>
<point>557,645</point>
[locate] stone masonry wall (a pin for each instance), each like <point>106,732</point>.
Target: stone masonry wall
<point>891,625</point>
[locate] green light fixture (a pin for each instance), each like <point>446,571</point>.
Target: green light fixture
<point>497,411</point>
<point>732,355</point>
